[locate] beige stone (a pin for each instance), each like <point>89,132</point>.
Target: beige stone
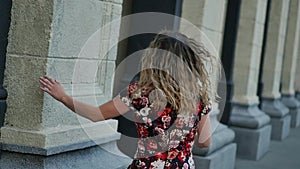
<point>30,27</point>
<point>275,48</point>
<point>248,50</point>
<point>291,49</point>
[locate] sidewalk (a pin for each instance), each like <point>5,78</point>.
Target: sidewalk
<point>282,155</point>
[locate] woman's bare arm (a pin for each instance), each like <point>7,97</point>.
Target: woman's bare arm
<point>110,109</point>
<point>204,134</point>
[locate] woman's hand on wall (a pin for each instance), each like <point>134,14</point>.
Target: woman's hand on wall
<point>52,87</point>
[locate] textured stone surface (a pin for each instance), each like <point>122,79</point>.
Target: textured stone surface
<point>25,100</point>
<point>252,144</point>
<point>94,157</point>
<point>224,158</point>
<point>30,27</point>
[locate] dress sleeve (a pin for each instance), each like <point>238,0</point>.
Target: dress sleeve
<point>125,99</point>
<point>126,95</point>
<point>206,109</point>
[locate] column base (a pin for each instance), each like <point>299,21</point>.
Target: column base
<point>280,118</point>
<point>93,157</point>
<point>280,127</point>
<point>294,105</point>
<point>252,143</point>
<point>223,158</point>
<point>248,116</point>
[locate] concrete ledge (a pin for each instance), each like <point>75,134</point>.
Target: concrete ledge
<point>252,143</point>
<point>93,157</point>
<point>280,127</point>
<point>58,140</point>
<point>223,158</point>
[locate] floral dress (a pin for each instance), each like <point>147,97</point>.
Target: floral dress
<point>165,138</point>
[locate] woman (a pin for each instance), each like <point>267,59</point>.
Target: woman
<point>170,95</point>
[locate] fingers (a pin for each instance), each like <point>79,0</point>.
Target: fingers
<point>50,79</point>
<point>47,83</point>
<point>45,89</point>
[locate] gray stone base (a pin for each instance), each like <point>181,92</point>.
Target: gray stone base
<point>93,157</point>
<point>252,143</point>
<point>295,115</point>
<point>280,118</point>
<point>280,127</point>
<point>224,158</point>
<point>294,105</point>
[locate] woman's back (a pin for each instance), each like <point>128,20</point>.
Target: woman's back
<point>166,137</point>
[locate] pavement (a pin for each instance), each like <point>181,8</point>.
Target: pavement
<point>282,155</point>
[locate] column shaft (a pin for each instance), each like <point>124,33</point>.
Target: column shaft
<point>271,103</point>
<point>247,120</point>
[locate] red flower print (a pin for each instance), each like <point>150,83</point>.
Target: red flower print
<point>160,155</point>
<point>132,87</point>
<point>166,119</point>
<point>172,154</point>
<point>144,101</point>
<point>182,156</point>
<point>143,131</point>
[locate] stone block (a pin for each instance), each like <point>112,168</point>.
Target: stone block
<point>214,19</point>
<point>93,157</point>
<point>223,158</point>
<point>252,143</point>
<point>25,100</point>
<point>77,26</point>
<point>280,127</point>
<point>193,11</point>
<point>30,27</point>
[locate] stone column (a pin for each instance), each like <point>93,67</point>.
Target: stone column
<point>290,63</point>
<point>209,17</point>
<point>250,124</point>
<point>55,38</point>
<point>4,22</point>
<point>271,97</point>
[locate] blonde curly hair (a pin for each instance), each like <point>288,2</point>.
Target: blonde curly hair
<point>180,68</point>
